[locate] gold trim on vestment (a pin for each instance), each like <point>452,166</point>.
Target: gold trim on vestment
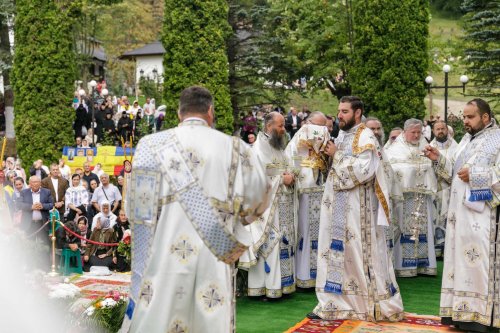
<point>356,149</point>
<point>416,271</point>
<point>381,198</point>
<point>311,283</point>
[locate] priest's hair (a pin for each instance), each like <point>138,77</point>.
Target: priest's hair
<point>413,122</point>
<point>482,106</point>
<point>195,99</point>
<point>269,118</point>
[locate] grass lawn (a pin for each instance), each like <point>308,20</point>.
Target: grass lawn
<point>420,295</point>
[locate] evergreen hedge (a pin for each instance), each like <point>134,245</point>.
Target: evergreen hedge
<point>43,76</point>
<point>391,58</point>
<point>482,43</point>
<point>194,37</point>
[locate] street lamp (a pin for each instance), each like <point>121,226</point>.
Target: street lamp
<point>429,80</point>
<point>92,84</point>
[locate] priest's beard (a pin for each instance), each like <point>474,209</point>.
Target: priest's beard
<point>277,141</point>
<point>474,130</point>
<point>380,139</point>
<point>346,125</point>
<point>442,138</point>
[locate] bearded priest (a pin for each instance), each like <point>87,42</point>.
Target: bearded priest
<point>470,291</point>
<point>270,261</point>
<point>355,277</point>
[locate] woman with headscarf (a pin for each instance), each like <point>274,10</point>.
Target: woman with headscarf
<point>76,199</point>
<point>8,184</point>
<point>16,213</point>
<point>101,255</point>
<point>104,215</point>
<point>84,231</point>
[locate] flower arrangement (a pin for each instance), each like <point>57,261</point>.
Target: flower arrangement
<point>124,246</point>
<point>108,311</point>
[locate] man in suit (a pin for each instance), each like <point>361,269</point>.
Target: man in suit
<point>292,122</point>
<point>57,186</point>
<point>35,203</point>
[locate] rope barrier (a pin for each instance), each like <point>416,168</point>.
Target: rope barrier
<point>41,228</point>
<point>85,239</point>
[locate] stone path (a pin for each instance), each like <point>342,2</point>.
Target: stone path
<point>454,106</point>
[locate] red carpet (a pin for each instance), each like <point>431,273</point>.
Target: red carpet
<point>412,323</point>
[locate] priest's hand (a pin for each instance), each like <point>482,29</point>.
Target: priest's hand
<point>431,153</point>
<point>288,179</point>
<point>463,174</point>
<point>330,148</point>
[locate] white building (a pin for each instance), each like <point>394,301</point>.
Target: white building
<point>148,61</point>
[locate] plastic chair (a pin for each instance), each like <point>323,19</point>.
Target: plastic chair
<point>65,264</point>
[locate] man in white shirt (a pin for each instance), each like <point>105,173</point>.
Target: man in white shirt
<point>106,192</point>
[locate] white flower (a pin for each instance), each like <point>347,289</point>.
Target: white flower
<point>108,303</point>
<point>90,311</point>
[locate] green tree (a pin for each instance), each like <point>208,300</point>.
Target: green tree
<point>194,37</point>
<point>43,75</point>
<point>6,15</point>
<point>309,39</point>
<point>137,23</point>
<point>245,58</point>
<point>391,58</point>
<point>482,40</point>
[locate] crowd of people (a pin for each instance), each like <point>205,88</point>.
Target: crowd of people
<point>86,202</point>
<point>104,119</point>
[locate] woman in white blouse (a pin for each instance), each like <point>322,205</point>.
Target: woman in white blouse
<point>76,199</point>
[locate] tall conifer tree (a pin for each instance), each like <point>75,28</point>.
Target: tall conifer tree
<point>391,58</point>
<point>194,37</point>
<point>482,39</point>
<point>43,76</point>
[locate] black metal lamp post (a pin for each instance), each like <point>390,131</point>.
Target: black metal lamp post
<point>446,69</point>
<point>92,84</point>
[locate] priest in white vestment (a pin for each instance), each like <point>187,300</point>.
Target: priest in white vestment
<point>446,146</point>
<point>355,277</point>
<point>414,251</point>
<point>306,150</point>
<point>270,260</point>
<point>192,191</point>
<point>470,294</point>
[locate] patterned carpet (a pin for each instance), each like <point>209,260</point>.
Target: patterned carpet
<point>96,286</point>
<point>412,323</point>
